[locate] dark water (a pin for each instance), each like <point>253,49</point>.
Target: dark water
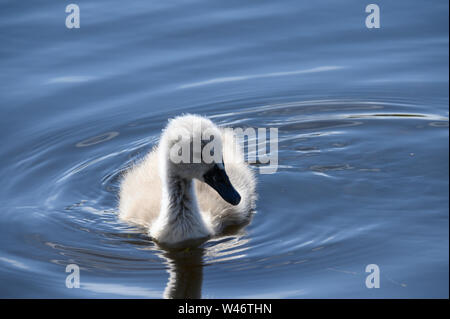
<point>363,144</point>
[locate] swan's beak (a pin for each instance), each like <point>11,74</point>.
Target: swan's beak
<point>218,179</point>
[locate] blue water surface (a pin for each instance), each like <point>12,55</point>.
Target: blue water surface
<point>362,114</point>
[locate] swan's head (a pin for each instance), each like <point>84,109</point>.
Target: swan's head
<point>191,147</point>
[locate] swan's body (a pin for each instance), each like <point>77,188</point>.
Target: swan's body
<point>174,200</point>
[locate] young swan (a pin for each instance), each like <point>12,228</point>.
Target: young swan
<point>182,193</point>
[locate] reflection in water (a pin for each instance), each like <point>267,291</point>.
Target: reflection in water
<point>185,270</point>
<point>185,267</point>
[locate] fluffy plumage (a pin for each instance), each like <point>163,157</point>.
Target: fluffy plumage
<point>173,200</point>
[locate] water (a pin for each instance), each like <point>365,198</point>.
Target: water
<point>363,151</point>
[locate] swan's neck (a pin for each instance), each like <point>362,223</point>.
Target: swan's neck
<point>178,200</point>
<point>179,219</point>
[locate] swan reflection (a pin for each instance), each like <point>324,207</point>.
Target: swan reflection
<point>185,270</point>
<point>185,267</point>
